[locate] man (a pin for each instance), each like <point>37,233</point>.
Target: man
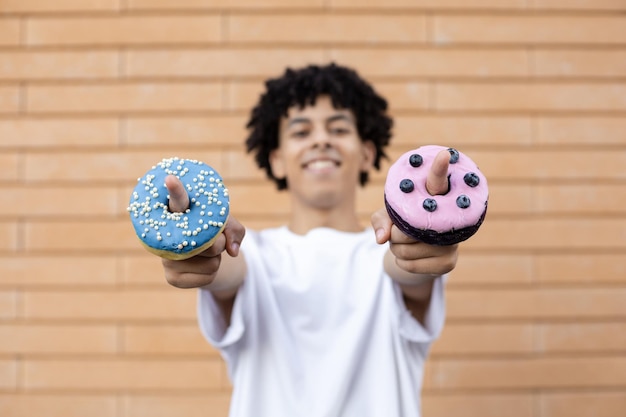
<point>318,317</point>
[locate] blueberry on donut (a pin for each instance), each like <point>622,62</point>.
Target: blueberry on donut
<point>175,235</point>
<point>436,219</point>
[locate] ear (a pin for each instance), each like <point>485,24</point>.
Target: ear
<point>277,164</point>
<point>369,155</point>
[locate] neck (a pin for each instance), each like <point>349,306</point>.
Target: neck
<point>305,218</point>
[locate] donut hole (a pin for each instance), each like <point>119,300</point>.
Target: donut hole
<point>183,211</point>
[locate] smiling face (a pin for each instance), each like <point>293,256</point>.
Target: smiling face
<point>321,154</point>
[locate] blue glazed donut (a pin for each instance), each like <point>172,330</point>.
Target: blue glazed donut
<point>179,235</point>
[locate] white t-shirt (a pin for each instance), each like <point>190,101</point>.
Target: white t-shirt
<point>319,330</point>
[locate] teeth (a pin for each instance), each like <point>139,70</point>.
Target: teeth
<point>321,164</point>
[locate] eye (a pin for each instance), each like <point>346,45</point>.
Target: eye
<point>299,134</point>
<point>339,130</point>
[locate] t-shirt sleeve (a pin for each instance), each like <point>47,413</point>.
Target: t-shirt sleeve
<point>434,319</point>
<point>210,318</point>
<point>212,323</point>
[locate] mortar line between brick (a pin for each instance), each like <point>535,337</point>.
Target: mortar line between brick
<point>23,30</point>
<point>429,26</point>
<point>225,28</point>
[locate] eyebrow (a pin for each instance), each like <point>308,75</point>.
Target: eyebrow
<point>331,119</point>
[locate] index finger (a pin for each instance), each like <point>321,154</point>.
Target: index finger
<point>437,180</point>
<point>178,197</point>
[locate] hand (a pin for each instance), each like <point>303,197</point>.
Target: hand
<point>411,255</point>
<point>199,270</point>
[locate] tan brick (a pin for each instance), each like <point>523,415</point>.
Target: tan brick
<point>581,337</point>
<point>369,200</point>
<point>550,233</point>
<point>581,199</point>
<point>510,199</point>
<point>106,166</point>
<point>63,65</point>
<point>406,95</point>
<point>9,235</point>
<point>529,29</point>
<point>428,372</point>
<point>526,97</point>
<point>550,165</point>
<point>30,132</point>
<point>27,339</point>
<point>59,6</point>
<point>41,201</point>
<point>142,269</point>
<point>494,269</point>
<point>461,131</point>
<point>397,62</point>
<point>261,62</point>
<point>192,405</point>
<point>259,199</point>
<point>325,28</point>
<point>240,166</point>
<point>68,405</point>
<point>169,304</point>
<point>121,374</point>
<point>9,99</point>
<point>223,4</point>
<point>243,96</point>
<point>125,97</point>
<point>218,131</point>
<point>581,130</point>
<point>81,235</point>
<point>541,303</point>
<point>10,31</point>
<point>577,4</point>
<point>124,30</point>
<point>477,405</point>
<point>10,162</point>
<point>573,268</point>
<point>184,340</point>
<point>579,63</point>
<point>430,4</point>
<point>583,404</point>
<point>8,375</point>
<point>8,304</point>
<point>534,373</point>
<point>51,271</point>
<point>484,339</point>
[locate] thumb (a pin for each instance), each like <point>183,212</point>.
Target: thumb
<point>382,225</point>
<point>179,199</point>
<point>437,180</point>
<point>234,233</point>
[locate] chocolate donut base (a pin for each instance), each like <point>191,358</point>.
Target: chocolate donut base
<point>433,237</point>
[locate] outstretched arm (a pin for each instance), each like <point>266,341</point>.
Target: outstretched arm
<point>222,275</point>
<point>413,264</point>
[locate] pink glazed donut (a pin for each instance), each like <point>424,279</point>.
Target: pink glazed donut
<point>436,219</point>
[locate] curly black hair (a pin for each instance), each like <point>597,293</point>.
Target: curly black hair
<point>301,87</point>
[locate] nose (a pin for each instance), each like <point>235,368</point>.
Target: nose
<point>321,138</point>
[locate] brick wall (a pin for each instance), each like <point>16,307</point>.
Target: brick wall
<point>93,92</point>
